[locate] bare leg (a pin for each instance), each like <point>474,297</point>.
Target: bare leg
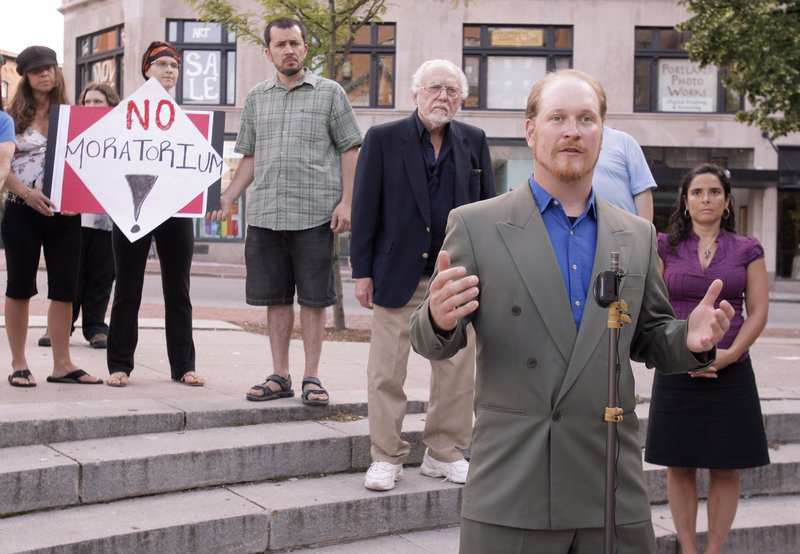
<point>280,321</point>
<point>59,324</point>
<point>723,499</point>
<point>312,321</point>
<point>682,496</point>
<point>16,314</point>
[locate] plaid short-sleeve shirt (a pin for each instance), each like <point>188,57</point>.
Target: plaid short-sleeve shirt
<point>296,136</point>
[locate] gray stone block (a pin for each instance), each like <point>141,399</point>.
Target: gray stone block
<point>764,524</point>
<point>205,521</point>
<point>148,464</point>
<point>338,508</point>
<point>781,476</point>
<point>35,478</point>
<point>42,423</point>
<point>358,431</point>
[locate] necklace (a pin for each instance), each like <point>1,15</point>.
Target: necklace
<point>707,253</point>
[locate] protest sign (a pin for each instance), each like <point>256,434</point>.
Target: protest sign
<point>141,162</point>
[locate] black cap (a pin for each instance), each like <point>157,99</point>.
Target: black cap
<point>33,57</point>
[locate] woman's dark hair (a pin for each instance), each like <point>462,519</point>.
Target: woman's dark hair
<point>106,90</point>
<point>680,223</point>
<point>23,106</point>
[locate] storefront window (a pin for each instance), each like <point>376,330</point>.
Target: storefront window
<point>503,63</point>
<point>233,228</point>
<point>367,75</point>
<point>208,63</point>
<point>99,59</point>
<point>666,81</point>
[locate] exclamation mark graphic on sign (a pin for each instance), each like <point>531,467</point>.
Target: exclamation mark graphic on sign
<point>140,185</point>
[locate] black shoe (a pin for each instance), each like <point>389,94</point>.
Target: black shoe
<point>99,340</point>
<point>44,340</point>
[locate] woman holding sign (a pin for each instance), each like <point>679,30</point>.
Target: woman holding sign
<point>175,245</point>
<point>30,223</point>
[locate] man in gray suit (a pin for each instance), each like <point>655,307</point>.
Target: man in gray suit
<point>521,272</point>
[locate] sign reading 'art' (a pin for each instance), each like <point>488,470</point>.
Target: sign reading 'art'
<point>141,162</point>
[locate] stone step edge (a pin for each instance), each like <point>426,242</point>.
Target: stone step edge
<point>25,424</point>
<point>102,470</point>
<point>291,515</point>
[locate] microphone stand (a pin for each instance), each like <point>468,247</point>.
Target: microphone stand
<point>606,294</point>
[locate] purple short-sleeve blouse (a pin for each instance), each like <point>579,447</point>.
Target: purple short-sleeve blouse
<point>687,283</point>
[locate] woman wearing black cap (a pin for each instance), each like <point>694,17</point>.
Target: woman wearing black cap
<point>29,224</point>
<point>175,244</point>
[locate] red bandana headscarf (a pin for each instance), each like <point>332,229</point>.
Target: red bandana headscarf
<point>158,50</point>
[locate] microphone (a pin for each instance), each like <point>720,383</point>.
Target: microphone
<point>606,284</point>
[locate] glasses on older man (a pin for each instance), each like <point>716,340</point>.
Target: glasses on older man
<point>435,89</point>
<point>164,64</point>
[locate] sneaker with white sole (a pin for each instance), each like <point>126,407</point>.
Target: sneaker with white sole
<point>381,476</point>
<point>451,471</point>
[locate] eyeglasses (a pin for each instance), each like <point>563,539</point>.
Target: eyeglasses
<point>435,89</point>
<point>163,64</point>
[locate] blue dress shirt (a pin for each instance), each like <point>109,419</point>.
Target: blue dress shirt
<point>573,243</point>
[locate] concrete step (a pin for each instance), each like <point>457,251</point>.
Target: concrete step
<point>72,473</point>
<point>780,477</point>
<point>762,524</point>
<point>334,514</point>
<point>61,474</point>
<point>247,518</point>
<point>44,423</point>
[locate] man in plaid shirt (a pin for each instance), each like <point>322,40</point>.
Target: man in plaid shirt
<point>299,138</point>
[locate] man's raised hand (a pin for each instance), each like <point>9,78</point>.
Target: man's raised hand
<point>708,325</point>
<point>452,294</point>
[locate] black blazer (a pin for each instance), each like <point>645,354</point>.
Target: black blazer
<point>390,236</point>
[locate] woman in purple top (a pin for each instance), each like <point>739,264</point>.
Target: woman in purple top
<point>709,419</point>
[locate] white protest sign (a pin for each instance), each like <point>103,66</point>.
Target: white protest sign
<point>144,160</point>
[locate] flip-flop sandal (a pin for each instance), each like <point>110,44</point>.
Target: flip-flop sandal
<point>269,394</point>
<point>314,402</point>
<point>73,378</point>
<point>21,374</point>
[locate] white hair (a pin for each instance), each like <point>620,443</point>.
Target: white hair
<point>416,81</point>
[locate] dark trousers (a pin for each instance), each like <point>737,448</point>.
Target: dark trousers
<point>175,244</point>
<point>95,279</point>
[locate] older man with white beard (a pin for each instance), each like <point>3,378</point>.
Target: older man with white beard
<point>410,174</point>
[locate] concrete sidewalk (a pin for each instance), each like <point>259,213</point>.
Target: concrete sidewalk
<point>233,360</point>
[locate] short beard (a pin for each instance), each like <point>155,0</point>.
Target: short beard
<point>437,121</point>
<point>566,174</point>
<point>291,71</point>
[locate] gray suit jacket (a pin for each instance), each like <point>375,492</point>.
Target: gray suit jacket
<point>538,447</point>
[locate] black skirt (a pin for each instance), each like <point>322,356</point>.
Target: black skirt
<point>707,423</point>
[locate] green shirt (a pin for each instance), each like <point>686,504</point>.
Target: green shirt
<point>296,136</point>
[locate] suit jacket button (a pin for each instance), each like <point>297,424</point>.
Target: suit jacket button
<point>532,363</point>
<point>557,417</point>
<point>516,310</point>
<point>425,255</point>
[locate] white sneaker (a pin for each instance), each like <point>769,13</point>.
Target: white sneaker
<point>382,475</point>
<point>451,471</point>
